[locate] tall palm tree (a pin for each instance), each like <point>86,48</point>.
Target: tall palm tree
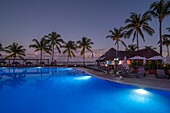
<point>131,47</point>
<point>15,50</point>
<point>166,42</point>
<point>160,10</point>
<point>1,49</point>
<point>85,44</point>
<point>42,46</point>
<point>116,35</point>
<point>136,23</point>
<point>69,46</point>
<point>56,41</point>
<point>166,35</point>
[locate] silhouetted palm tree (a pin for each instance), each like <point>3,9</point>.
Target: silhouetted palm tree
<point>166,42</point>
<point>135,25</point>
<point>15,50</point>
<point>160,10</point>
<point>85,44</point>
<point>131,47</point>
<point>69,46</point>
<point>116,35</point>
<point>150,47</point>
<point>56,41</point>
<point>42,46</point>
<point>1,49</point>
<point>166,35</point>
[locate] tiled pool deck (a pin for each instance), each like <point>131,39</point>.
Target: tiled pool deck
<point>146,82</point>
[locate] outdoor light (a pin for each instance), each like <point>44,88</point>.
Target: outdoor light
<point>141,91</point>
<point>83,77</point>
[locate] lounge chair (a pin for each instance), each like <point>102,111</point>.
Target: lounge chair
<point>128,73</point>
<point>160,73</point>
<point>104,69</point>
<point>141,72</point>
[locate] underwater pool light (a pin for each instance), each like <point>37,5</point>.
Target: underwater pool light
<point>141,91</point>
<point>83,77</point>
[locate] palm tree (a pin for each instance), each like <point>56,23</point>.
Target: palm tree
<point>56,41</point>
<point>42,46</point>
<point>1,49</point>
<point>166,42</point>
<point>15,50</point>
<point>166,35</point>
<point>85,44</point>
<point>116,35</point>
<point>69,46</point>
<point>131,47</point>
<point>135,25</point>
<point>150,47</point>
<point>160,10</point>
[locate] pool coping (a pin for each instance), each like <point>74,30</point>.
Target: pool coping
<point>119,81</point>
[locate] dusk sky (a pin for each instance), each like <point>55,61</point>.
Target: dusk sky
<point>23,20</point>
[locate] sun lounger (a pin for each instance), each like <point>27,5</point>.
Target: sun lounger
<point>141,72</point>
<point>104,69</point>
<point>160,73</point>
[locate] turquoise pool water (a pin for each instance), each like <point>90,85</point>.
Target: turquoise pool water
<point>67,90</point>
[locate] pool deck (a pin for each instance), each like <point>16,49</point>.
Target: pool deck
<point>150,81</point>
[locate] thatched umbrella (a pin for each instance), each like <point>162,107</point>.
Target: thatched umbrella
<point>16,63</point>
<point>28,63</point>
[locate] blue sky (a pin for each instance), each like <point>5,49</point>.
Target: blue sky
<point>23,20</point>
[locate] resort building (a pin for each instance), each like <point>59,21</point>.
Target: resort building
<point>112,56</point>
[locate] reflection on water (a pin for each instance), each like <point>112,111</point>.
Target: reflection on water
<point>12,78</point>
<point>52,90</point>
<point>16,77</point>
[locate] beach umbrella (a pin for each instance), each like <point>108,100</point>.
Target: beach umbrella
<point>125,63</point>
<point>156,58</point>
<point>144,61</point>
<point>28,63</point>
<point>16,63</point>
<point>137,58</point>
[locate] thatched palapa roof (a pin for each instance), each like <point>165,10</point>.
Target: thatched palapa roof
<point>112,53</point>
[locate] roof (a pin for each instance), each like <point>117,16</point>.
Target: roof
<point>112,53</point>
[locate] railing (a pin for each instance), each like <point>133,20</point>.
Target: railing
<point>23,62</point>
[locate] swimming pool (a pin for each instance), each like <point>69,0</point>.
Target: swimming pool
<point>67,90</point>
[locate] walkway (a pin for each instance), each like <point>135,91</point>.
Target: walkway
<point>147,82</point>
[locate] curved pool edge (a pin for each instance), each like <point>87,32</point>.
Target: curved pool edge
<point>126,83</point>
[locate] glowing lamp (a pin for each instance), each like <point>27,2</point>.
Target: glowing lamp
<point>141,91</point>
<point>83,77</point>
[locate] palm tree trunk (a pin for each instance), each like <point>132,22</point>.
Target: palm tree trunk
<point>41,56</point>
<point>118,45</point>
<point>67,60</point>
<point>167,49</point>
<point>160,31</point>
<point>14,59</point>
<point>137,41</point>
<point>52,55</point>
<point>84,59</point>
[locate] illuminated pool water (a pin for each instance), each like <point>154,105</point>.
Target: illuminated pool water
<point>67,90</point>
